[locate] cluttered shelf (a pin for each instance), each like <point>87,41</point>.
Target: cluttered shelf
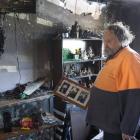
<point>12,102</point>
<point>30,92</point>
<point>84,76</point>
<point>83,61</point>
<point>15,133</point>
<point>77,61</point>
<point>49,122</point>
<point>90,39</point>
<point>25,94</point>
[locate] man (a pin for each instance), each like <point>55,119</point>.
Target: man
<point>114,105</point>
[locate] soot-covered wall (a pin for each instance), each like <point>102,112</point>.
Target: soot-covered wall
<point>30,45</point>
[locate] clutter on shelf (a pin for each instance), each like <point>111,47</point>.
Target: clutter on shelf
<point>77,32</point>
<point>32,127</point>
<point>82,59</point>
<point>21,108</point>
<point>78,54</point>
<point>36,88</point>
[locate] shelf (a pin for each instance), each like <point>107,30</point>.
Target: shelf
<point>77,61</point>
<point>83,61</point>
<point>12,102</point>
<point>17,131</point>
<point>92,38</point>
<point>99,59</point>
<point>84,76</point>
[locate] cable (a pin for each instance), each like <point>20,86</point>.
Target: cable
<point>75,8</point>
<point>17,56</point>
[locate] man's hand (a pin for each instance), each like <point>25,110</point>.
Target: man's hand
<point>127,137</point>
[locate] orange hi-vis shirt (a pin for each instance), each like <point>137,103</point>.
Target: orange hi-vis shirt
<point>120,73</point>
<point>114,104</point>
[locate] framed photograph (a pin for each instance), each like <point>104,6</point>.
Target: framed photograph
<point>64,87</point>
<point>71,91</point>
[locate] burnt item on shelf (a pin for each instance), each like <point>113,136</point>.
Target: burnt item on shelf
<point>7,121</point>
<point>74,33</point>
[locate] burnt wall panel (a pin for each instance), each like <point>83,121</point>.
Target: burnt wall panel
<point>29,41</point>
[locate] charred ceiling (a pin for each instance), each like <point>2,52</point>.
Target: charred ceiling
<point>128,12</point>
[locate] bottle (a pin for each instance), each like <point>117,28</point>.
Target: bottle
<point>75,30</point>
<point>77,27</point>
<point>76,54</point>
<point>76,51</point>
<point>80,53</point>
<point>7,121</point>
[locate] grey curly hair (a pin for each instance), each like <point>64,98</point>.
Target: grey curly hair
<point>122,32</point>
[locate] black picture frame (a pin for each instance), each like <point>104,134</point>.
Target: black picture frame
<point>74,93</point>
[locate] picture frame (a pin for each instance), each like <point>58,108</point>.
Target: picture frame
<point>72,92</point>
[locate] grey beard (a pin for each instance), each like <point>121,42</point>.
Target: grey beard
<point>109,51</point>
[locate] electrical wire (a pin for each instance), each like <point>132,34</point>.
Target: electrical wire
<point>17,55</point>
<point>75,8</point>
